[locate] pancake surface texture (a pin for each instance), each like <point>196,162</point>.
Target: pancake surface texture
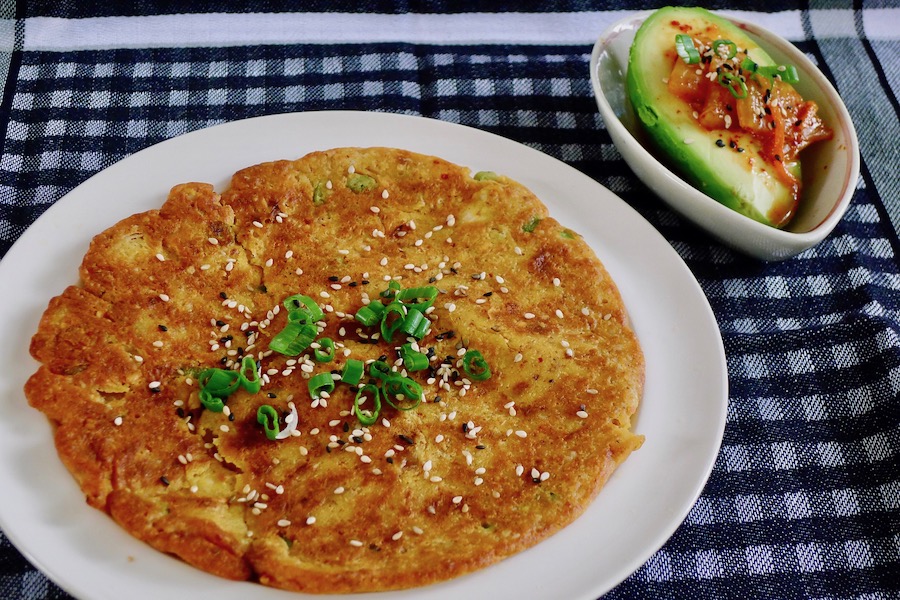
<point>478,471</point>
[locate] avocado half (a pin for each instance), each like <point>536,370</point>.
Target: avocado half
<point>743,181</point>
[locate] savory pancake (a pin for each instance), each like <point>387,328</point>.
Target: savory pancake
<point>499,454</point>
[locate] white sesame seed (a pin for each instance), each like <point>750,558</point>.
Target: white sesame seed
<point>160,258</point>
<point>117,421</point>
<point>356,543</point>
<point>164,297</point>
<point>154,385</point>
<point>559,313</point>
<point>283,523</point>
<point>158,344</point>
<point>519,470</point>
<point>556,282</point>
<point>582,414</point>
<point>339,490</point>
<point>375,209</point>
<point>585,311</point>
<point>528,315</point>
<point>289,254</point>
<point>457,499</point>
<point>205,267</point>
<point>213,241</point>
<point>592,391</point>
<point>518,357</point>
<point>397,536</point>
<point>521,433</point>
<point>545,476</point>
<point>435,479</point>
<point>310,520</point>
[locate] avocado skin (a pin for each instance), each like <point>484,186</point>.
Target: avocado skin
<point>724,176</point>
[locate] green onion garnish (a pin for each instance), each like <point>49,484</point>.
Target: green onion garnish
<point>531,225</point>
<point>427,294</point>
<point>391,291</point>
<point>219,382</point>
<point>249,375</point>
<point>327,354</point>
<point>268,418</point>
<point>380,370</point>
<point>323,382</point>
<point>684,46</point>
<point>475,366</point>
<point>389,324</point>
<point>370,314</point>
<point>294,338</point>
<point>404,391</point>
<point>210,402</point>
<point>787,73</point>
<point>305,303</point>
<point>733,83</point>
<point>413,360</point>
<point>367,416</point>
<point>353,371</point>
<point>414,323</point>
<point>730,48</point>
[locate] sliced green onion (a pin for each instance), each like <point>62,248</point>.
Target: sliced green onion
<point>300,301</point>
<point>397,388</point>
<point>294,338</point>
<point>210,402</point>
<point>370,314</point>
<point>390,325</point>
<point>413,360</point>
<point>219,382</point>
<point>427,294</point>
<point>728,80</point>
<point>320,194</point>
<point>380,370</point>
<point>353,371</point>
<point>323,382</point>
<point>249,375</point>
<point>787,73</point>
<point>268,418</point>
<point>328,354</point>
<point>299,315</point>
<point>392,289</point>
<point>413,323</point>
<point>422,329</point>
<point>485,176</point>
<point>731,48</point>
<point>684,46</point>
<point>475,366</point>
<point>367,416</point>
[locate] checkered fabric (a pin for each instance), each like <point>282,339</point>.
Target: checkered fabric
<point>804,498</point>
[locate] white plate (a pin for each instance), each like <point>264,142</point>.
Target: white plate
<point>682,416</point>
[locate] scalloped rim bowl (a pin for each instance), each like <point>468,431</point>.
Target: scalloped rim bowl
<point>830,169</point>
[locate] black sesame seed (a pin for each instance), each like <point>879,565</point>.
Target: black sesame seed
<point>342,442</point>
<point>365,282</point>
<point>406,439</point>
<point>220,323</point>
<point>732,145</point>
<point>740,149</point>
<point>480,447</point>
<point>223,360</point>
<point>465,428</point>
<point>358,439</point>
<point>272,395</point>
<point>352,284</point>
<point>163,328</point>
<point>432,279</point>
<point>164,480</point>
<point>346,427</point>
<point>437,399</point>
<point>328,449</point>
<point>334,278</point>
<point>488,294</point>
<point>536,480</point>
<point>231,416</point>
<point>223,295</point>
<point>454,271</point>
<point>720,143</point>
<point>180,412</point>
<point>390,460</point>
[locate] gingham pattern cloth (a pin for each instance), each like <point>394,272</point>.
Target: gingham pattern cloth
<point>804,498</point>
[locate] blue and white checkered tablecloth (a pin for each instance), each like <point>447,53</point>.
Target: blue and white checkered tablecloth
<point>804,498</point>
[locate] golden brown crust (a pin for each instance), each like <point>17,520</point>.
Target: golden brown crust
<point>446,488</point>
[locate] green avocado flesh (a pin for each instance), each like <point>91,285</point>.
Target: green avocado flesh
<point>743,180</point>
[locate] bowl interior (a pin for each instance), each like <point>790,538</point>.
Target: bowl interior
<point>830,168</point>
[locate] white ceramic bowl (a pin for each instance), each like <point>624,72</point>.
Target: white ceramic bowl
<point>830,169</point>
